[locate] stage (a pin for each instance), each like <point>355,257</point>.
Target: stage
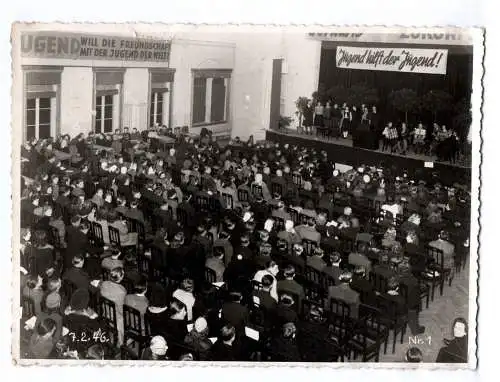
<point>342,151</point>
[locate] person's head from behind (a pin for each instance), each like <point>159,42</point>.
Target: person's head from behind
<point>289,330</point>
<point>116,275</point>
<point>84,227</point>
<point>46,328</point>
<point>288,272</point>
<point>443,235</point>
<point>141,285</point>
<point>345,277</point>
<point>219,253</point>
<point>187,285</point>
<point>459,327</point>
<point>157,296</point>
<point>34,282</point>
<point>53,284</point>
<point>79,300</point>
<point>96,351</point>
<point>228,333</point>
<point>286,300</point>
<point>315,314</point>
<point>235,296</point>
<point>360,271</point>
<point>52,302</point>
<point>392,285</point>
<point>272,267</point>
<point>201,326</point>
<point>413,355</point>
<point>177,310</point>
<point>267,282</point>
<point>40,238</point>
<point>78,261</point>
<point>158,346</point>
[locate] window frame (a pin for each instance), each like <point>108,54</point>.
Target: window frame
<point>209,75</point>
<point>156,112</point>
<point>102,106</point>
<point>36,126</point>
<point>41,82</point>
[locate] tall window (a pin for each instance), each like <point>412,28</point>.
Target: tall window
<point>38,111</point>
<point>199,100</point>
<point>156,109</point>
<point>161,96</point>
<point>41,89</point>
<point>108,102</point>
<point>104,114</point>
<point>210,96</point>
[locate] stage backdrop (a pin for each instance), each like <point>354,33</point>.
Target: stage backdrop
<point>457,79</point>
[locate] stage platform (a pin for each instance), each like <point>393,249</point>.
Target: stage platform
<point>342,151</point>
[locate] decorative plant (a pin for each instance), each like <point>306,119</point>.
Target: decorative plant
<point>404,100</point>
<point>301,105</point>
<point>284,122</point>
<point>361,94</point>
<point>436,101</point>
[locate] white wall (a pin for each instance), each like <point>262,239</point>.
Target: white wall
<point>135,98</point>
<point>187,55</point>
<point>253,74</point>
<point>76,101</point>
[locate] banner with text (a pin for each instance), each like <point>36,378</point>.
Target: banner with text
<point>92,47</point>
<point>430,61</point>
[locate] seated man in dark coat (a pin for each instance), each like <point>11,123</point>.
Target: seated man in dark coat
<point>313,338</point>
<point>225,348</point>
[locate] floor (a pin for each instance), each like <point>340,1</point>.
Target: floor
<point>437,321</point>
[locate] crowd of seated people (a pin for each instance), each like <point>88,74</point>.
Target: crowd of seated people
<point>243,252</point>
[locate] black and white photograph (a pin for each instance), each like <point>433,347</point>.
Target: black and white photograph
<point>245,194</point>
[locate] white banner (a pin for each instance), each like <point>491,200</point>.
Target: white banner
<point>404,60</point>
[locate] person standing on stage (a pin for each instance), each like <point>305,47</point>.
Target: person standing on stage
<point>345,122</point>
<point>336,116</point>
<point>327,117</point>
<point>365,119</point>
<point>403,139</point>
<point>356,118</point>
<point>318,115</point>
<point>375,126</point>
<point>308,117</point>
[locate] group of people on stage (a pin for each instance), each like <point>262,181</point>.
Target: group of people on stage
<point>341,121</point>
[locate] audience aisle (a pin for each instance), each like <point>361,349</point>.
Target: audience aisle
<point>437,321</point>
